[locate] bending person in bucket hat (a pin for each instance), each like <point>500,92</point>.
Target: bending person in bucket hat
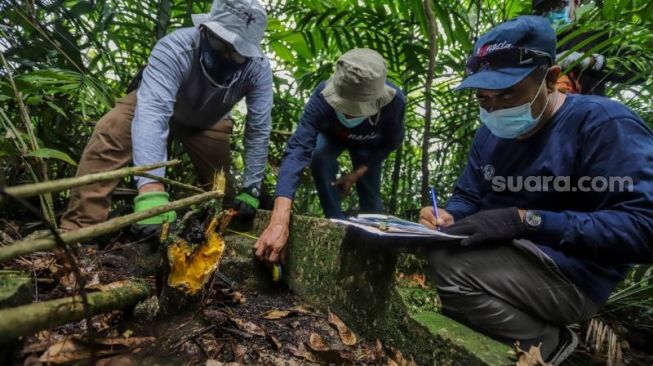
<point>541,256</point>
<point>355,110</point>
<point>193,78</point>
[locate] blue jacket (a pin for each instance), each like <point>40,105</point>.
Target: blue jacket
<point>320,118</point>
<point>592,236</point>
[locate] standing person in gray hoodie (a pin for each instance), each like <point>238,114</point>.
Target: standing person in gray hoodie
<point>193,78</point>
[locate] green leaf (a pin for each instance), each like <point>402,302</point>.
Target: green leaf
<point>46,153</point>
<point>57,109</point>
<point>81,7</point>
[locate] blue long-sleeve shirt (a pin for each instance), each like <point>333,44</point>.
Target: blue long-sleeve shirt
<point>592,236</point>
<point>319,117</point>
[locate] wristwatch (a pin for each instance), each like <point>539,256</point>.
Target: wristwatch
<point>254,191</point>
<point>533,220</point>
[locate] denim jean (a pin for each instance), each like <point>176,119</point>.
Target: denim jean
<point>324,166</point>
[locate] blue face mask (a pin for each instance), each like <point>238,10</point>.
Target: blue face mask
<point>509,123</point>
<point>558,18</point>
<point>350,122</point>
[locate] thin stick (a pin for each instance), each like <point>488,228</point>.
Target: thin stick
<point>171,182</point>
<point>30,246</point>
<point>194,334</point>
<point>243,234</point>
<point>27,190</point>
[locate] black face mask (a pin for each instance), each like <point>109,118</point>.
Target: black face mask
<point>220,69</point>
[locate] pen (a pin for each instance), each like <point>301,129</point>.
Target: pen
<point>435,207</point>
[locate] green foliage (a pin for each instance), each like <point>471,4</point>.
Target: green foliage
<point>52,154</point>
<point>636,291</point>
<point>74,58</point>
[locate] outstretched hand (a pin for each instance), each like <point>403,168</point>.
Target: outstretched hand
<point>271,245</point>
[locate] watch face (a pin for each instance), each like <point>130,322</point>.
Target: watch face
<point>533,218</point>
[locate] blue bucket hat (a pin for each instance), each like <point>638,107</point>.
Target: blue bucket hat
<point>526,41</point>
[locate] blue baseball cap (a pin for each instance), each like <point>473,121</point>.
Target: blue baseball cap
<point>531,35</point>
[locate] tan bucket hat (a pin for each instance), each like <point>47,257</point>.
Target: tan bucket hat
<point>357,88</point>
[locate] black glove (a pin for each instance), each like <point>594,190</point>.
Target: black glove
<point>497,225</point>
<point>150,231</point>
<point>143,231</point>
<point>246,204</point>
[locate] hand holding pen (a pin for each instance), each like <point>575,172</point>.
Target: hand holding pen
<point>434,217</point>
<point>435,207</point>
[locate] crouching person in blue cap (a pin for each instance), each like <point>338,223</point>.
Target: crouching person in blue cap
<point>355,110</point>
<point>556,198</point>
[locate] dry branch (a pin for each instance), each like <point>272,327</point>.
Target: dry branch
<point>28,190</point>
<point>28,319</point>
<point>172,183</point>
<point>36,245</point>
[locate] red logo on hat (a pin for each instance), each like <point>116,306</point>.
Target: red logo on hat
<point>491,47</point>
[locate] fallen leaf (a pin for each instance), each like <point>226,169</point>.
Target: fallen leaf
<point>43,263</point>
<point>301,351</point>
<point>347,336</point>
<point>391,362</point>
<point>127,333</point>
<point>238,297</point>
<point>125,342</point>
<point>68,281</point>
<point>317,343</point>
<point>301,309</point>
<point>104,321</point>
<point>274,341</point>
<point>116,361</point>
<point>239,353</point>
<point>32,360</point>
<point>378,346</point>
<point>378,352</point>
<point>93,282</point>
<point>212,362</point>
<point>396,358</point>
<point>275,314</point>
<point>65,351</point>
<point>107,286</point>
<point>531,358</point>
<point>249,327</point>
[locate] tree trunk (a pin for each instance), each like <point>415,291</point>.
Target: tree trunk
<point>432,29</point>
<point>395,179</point>
<point>163,18</point>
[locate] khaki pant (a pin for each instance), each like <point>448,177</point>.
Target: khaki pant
<point>110,147</point>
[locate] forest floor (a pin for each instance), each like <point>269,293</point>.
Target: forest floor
<point>235,323</point>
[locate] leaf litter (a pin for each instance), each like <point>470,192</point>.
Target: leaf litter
<point>232,326</point>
